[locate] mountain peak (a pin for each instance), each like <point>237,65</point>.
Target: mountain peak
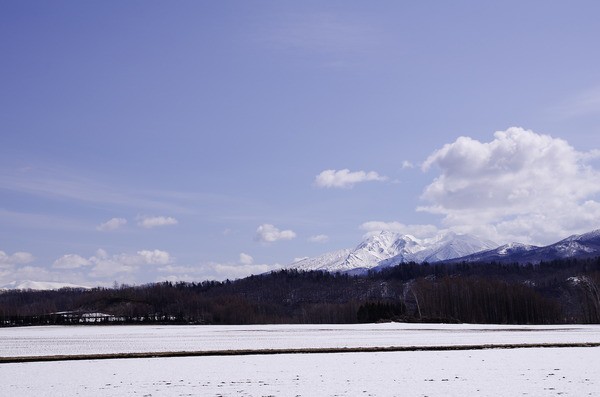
<point>387,248</point>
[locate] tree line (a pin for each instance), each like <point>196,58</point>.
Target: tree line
<point>562,291</point>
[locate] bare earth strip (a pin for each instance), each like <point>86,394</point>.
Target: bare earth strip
<point>262,352</point>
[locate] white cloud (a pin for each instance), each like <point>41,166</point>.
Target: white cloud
<point>149,222</point>
<point>18,258</point>
<point>421,231</point>
<point>112,224</point>
<point>76,269</point>
<point>109,267</point>
<point>15,277</point>
<point>319,238</point>
<point>215,271</point>
<point>105,265</point>
<point>155,257</point>
<point>177,269</point>
<point>70,261</point>
<point>345,179</point>
<point>246,259</point>
<point>232,271</point>
<point>102,254</point>
<point>407,164</point>
<point>22,257</point>
<point>521,186</point>
<point>268,233</point>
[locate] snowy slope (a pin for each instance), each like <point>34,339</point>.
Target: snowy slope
<point>452,245</point>
<point>582,245</point>
<point>328,262</point>
<point>504,253</point>
<point>381,247</point>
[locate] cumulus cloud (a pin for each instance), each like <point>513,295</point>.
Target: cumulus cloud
<point>155,257</point>
<point>112,224</point>
<point>319,238</point>
<point>97,269</point>
<point>15,270</point>
<point>70,261</point>
<point>345,179</point>
<point>246,259</point>
<point>105,265</point>
<point>149,222</point>
<point>521,186</point>
<point>25,275</point>
<point>18,258</point>
<point>421,231</point>
<point>178,269</point>
<point>268,233</point>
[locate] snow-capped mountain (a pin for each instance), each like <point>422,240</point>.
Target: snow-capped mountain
<point>39,285</point>
<point>451,245</point>
<point>582,245</point>
<point>389,248</point>
<point>331,261</point>
<point>576,246</point>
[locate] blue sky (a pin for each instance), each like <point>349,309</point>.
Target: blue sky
<point>145,140</point>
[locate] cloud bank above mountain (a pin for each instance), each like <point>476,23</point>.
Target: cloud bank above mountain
<point>521,186</point>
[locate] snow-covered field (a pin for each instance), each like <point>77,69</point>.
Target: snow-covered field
<point>58,340</point>
<point>520,372</point>
<point>497,372</point>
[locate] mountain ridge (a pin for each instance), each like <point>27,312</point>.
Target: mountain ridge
<point>380,250</point>
<point>574,246</point>
<point>388,248</point>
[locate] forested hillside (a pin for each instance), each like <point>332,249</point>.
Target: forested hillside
<point>561,291</point>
